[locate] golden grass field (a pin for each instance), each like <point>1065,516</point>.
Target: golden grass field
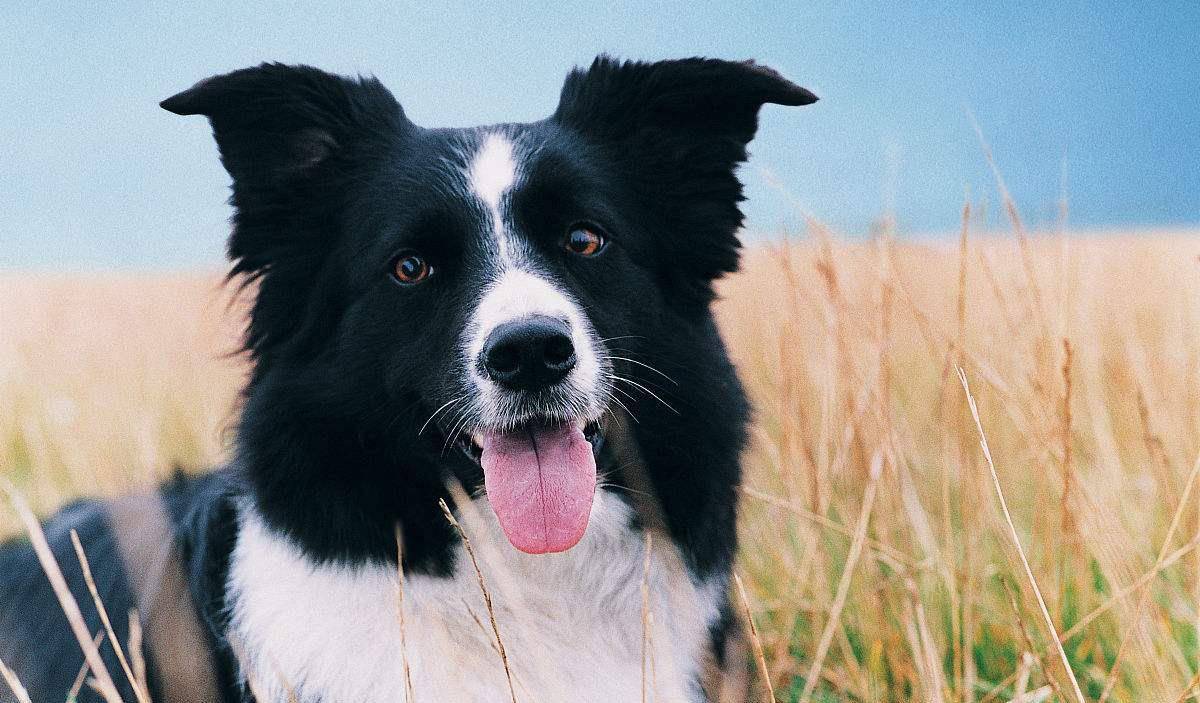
<point>878,563</point>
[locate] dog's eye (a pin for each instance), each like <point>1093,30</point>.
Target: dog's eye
<point>584,241</point>
<point>410,267</point>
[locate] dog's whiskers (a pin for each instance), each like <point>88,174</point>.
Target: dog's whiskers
<point>444,406</point>
<point>610,399</point>
<point>643,365</point>
<point>455,430</point>
<point>619,487</point>
<point>645,390</point>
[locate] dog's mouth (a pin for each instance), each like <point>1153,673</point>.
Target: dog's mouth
<point>471,443</point>
<point>540,478</point>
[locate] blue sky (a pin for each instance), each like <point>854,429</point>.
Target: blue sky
<point>1102,96</point>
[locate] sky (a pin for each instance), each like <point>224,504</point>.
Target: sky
<point>1097,100</point>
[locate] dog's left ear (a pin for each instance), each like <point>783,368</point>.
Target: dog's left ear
<point>677,131</point>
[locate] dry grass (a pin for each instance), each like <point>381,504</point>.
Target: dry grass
<point>1083,356</point>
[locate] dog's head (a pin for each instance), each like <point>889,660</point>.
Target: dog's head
<point>501,288</point>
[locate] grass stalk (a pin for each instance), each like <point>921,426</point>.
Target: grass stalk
<point>843,588</point>
<point>104,682</point>
<point>142,696</point>
<point>1016,540</point>
<point>487,598</point>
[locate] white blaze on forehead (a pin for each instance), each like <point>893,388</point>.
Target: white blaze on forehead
<point>492,173</point>
<point>493,170</point>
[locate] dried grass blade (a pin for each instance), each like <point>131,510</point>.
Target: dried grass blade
<point>487,597</point>
<point>843,589</point>
<point>1012,530</point>
<point>104,685</point>
<point>142,696</point>
<point>14,683</point>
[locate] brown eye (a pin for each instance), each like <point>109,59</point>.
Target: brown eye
<point>584,241</point>
<point>410,267</point>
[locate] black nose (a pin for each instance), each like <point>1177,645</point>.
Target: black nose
<point>529,354</point>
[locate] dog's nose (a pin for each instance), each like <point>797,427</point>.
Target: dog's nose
<point>529,354</point>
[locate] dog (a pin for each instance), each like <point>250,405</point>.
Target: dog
<point>489,445</point>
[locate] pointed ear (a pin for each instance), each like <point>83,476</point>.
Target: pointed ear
<point>718,98</point>
<point>292,138</point>
<point>275,123</point>
<point>677,130</point>
<point>283,131</point>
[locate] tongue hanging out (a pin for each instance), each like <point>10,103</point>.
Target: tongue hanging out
<point>540,481</point>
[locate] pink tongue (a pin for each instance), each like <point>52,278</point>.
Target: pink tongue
<point>540,482</point>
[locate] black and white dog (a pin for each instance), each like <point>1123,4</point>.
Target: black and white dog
<point>514,319</point>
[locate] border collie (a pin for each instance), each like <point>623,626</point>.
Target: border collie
<point>511,320</point>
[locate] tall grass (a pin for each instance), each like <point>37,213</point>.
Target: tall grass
<point>1084,357</point>
<point>877,563</point>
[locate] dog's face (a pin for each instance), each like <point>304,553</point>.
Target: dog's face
<point>503,288</point>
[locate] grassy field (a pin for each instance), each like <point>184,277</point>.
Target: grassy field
<point>878,561</point>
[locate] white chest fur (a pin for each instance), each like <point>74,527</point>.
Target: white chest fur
<point>572,624</point>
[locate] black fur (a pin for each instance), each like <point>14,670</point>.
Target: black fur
<point>35,638</point>
<point>330,180</point>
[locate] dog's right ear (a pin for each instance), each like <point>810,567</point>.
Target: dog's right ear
<point>290,136</point>
<point>276,124</point>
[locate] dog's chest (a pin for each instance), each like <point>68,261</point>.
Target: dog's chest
<point>591,624</point>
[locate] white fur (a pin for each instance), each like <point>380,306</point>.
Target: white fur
<point>491,174</point>
<point>571,623</point>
